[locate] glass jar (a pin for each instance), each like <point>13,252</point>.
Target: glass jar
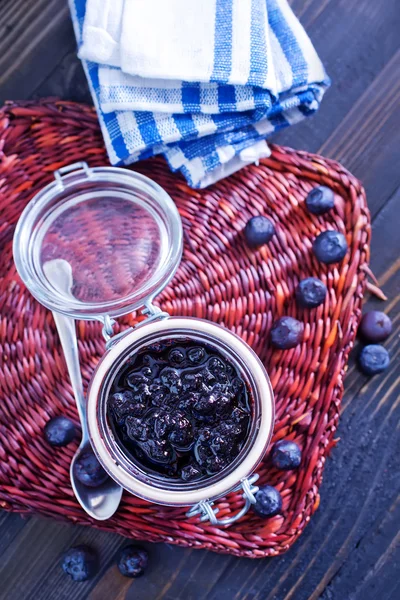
<point>119,236</point>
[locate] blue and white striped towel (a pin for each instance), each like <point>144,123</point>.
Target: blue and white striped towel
<point>258,72</point>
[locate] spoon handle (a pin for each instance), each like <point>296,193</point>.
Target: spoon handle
<point>67,333</point>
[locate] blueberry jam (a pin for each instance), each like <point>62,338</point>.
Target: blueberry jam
<point>180,411</point>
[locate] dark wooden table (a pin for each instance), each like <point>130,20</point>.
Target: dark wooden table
<point>350,549</point>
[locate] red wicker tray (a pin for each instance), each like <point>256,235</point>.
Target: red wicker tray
<point>219,279</point>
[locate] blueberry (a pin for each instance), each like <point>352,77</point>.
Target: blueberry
<point>202,452</point>
<point>286,455</point>
<point>216,366</point>
<point>59,431</point>
<point>127,403</point>
<point>237,385</point>
<point>163,424</point>
<point>223,403</point>
<point>136,380</point>
<point>181,435</point>
<point>158,394</point>
<point>373,359</point>
<point>132,561</point>
<point>375,326</point>
<point>215,464</point>
<point>320,200</point>
<point>238,415</point>
<point>206,404</point>
<point>171,379</point>
<point>258,231</point>
<point>234,428</point>
<point>192,381</point>
<point>268,501</point>
<point>137,429</point>
<point>310,292</point>
<point>286,333</point>
<point>147,372</point>
<point>158,451</point>
<point>142,393</point>
<point>80,563</point>
<point>88,470</point>
<point>176,356</point>
<point>205,434</point>
<point>330,247</point>
<point>190,472</point>
<point>230,371</point>
<point>196,355</point>
<point>119,400</point>
<point>220,444</point>
<point>176,427</point>
<point>222,379</point>
<point>208,377</point>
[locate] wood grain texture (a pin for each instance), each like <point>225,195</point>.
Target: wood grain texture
<point>351,547</point>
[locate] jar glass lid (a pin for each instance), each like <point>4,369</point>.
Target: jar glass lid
<point>98,241</point>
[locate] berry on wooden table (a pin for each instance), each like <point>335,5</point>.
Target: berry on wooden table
<point>80,563</point>
<point>375,326</point>
<point>132,561</point>
<point>373,359</point>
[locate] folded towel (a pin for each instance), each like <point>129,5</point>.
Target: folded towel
<point>225,41</point>
<point>255,72</point>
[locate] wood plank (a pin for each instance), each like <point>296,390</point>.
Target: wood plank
<point>371,569</point>
<point>105,544</point>
<point>367,141</point>
<point>35,36</point>
<point>348,550</point>
<point>355,40</point>
<point>30,567</point>
<point>67,81</point>
<point>10,527</point>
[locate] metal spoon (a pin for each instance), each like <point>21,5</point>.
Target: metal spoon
<point>100,502</point>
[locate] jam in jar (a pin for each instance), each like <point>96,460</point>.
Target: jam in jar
<point>180,409</point>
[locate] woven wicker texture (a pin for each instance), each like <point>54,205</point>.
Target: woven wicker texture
<point>219,279</point>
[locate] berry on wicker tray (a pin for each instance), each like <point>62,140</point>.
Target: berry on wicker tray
<point>310,292</point>
<point>60,431</point>
<point>286,333</point>
<point>258,231</point>
<point>320,200</point>
<point>330,247</point>
<point>286,455</point>
<point>268,502</point>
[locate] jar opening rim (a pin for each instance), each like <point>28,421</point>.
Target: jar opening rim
<point>63,195</point>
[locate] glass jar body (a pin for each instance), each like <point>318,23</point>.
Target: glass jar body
<point>160,489</point>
